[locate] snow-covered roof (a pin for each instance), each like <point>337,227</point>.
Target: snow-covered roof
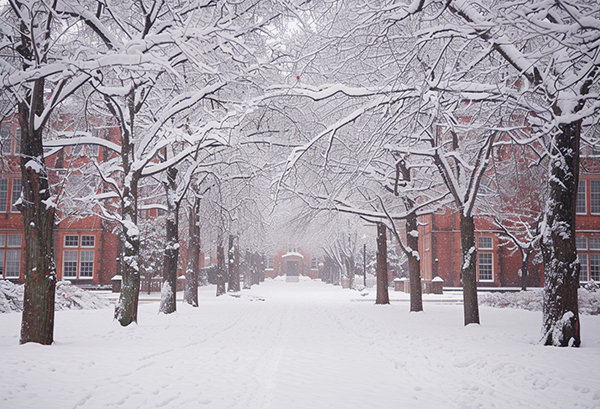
<point>292,254</point>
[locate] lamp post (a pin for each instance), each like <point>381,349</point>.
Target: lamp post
<point>365,260</point>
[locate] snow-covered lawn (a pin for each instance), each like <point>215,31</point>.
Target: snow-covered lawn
<point>299,345</point>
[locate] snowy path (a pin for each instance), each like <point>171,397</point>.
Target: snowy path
<point>298,345</point>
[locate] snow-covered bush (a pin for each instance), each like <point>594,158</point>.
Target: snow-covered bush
<point>592,286</point>
<point>68,297</point>
<point>589,301</point>
<point>11,297</point>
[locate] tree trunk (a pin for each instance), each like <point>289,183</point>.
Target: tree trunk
<point>234,266</point>
<point>525,269</point>
<point>561,267</point>
<point>193,263</point>
<point>469,269</point>
<point>168,300</point>
<point>221,268</point>
<point>126,309</point>
<point>414,264</point>
<point>382,273</point>
<point>412,241</point>
<point>37,323</point>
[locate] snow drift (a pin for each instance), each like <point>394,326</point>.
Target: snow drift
<point>68,297</point>
<point>532,300</point>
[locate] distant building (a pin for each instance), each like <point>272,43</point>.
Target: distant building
<point>86,247</point>
<point>292,261</point>
<point>498,264</point>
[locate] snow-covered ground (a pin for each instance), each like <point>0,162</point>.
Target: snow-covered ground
<point>299,345</point>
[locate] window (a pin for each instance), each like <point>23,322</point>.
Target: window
<point>16,193</point>
<point>71,241</point>
<point>595,196</point>
<point>581,203</point>
<point>18,141</point>
<point>82,149</point>
<point>3,194</point>
<point>313,263</point>
<point>78,263</point>
<point>93,150</point>
<point>14,240</point>
<point>485,243</point>
<point>77,150</point>
<point>594,243</point>
<point>10,259</point>
<point>5,140</point>
<point>87,263</point>
<point>270,262</point>
<point>581,243</point>
<point>595,267</point>
<point>70,263</point>
<point>593,151</point>
<point>583,261</point>
<point>87,241</point>
<point>13,263</point>
<point>485,267</point>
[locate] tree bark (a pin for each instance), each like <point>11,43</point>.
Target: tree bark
<point>168,300</point>
<point>127,307</point>
<point>561,267</point>
<point>412,241</point>
<point>525,268</point>
<point>234,266</point>
<point>193,263</point>
<point>414,264</point>
<point>37,323</point>
<point>469,269</point>
<point>221,269</point>
<point>382,274</point>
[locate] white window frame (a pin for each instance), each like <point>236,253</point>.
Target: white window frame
<point>71,245</point>
<point>10,240</point>
<point>14,258</point>
<point>584,274</point>
<point>17,138</point>
<point>581,197</point>
<point>3,195</point>
<point>92,150</point>
<point>5,136</point>
<point>83,267</point>
<point>491,265</point>
<point>595,196</point>
<point>70,260</point>
<point>13,198</point>
<point>87,236</point>
<point>481,239</point>
<point>594,266</point>
<point>581,243</point>
<point>594,243</point>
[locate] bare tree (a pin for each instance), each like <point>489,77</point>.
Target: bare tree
<point>382,273</point>
<point>38,56</point>
<point>554,72</point>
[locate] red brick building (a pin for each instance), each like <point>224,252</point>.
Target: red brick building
<point>292,261</point>
<point>498,264</point>
<point>86,248</point>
